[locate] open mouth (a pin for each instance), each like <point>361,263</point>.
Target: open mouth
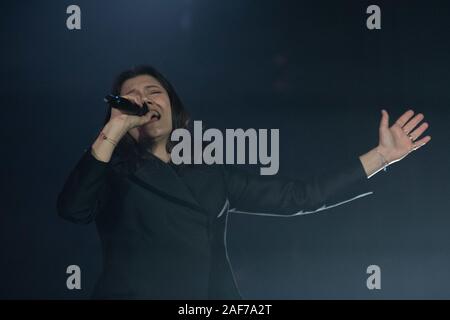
<point>155,115</point>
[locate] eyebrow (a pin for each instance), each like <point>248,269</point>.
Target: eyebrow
<point>146,87</point>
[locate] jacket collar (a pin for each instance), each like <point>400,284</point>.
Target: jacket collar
<point>160,177</point>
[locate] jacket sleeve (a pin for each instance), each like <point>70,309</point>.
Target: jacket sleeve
<point>279,196</point>
<point>84,191</point>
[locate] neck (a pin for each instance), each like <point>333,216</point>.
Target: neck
<point>159,150</point>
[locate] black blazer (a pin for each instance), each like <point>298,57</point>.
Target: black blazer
<point>163,227</point>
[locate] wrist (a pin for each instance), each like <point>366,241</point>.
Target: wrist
<point>374,161</point>
<point>384,163</point>
<point>384,154</point>
<point>115,129</point>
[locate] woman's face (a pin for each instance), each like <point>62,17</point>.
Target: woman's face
<point>145,88</point>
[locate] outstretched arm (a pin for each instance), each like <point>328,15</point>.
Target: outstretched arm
<point>277,196</point>
<point>286,197</point>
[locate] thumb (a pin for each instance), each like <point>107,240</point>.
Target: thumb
<point>384,123</point>
<point>145,118</point>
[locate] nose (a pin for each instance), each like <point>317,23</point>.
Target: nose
<point>140,101</point>
<point>148,101</point>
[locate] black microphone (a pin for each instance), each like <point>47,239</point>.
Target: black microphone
<point>125,105</point>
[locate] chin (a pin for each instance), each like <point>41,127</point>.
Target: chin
<point>152,133</point>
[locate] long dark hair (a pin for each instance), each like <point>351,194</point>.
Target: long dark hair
<point>128,148</point>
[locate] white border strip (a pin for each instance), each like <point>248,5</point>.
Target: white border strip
<point>301,212</point>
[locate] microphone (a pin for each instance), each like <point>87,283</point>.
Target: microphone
<point>125,105</point>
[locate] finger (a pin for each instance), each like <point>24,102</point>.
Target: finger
<point>115,112</point>
<point>404,118</point>
<point>384,123</point>
<point>422,142</point>
<point>413,123</point>
<point>128,97</point>
<point>418,132</point>
<point>145,118</point>
<point>133,99</point>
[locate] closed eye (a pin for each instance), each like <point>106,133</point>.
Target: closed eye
<point>154,92</point>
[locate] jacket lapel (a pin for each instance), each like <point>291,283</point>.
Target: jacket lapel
<point>158,177</point>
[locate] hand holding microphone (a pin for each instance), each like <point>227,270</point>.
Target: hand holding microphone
<point>126,105</point>
<point>127,112</point>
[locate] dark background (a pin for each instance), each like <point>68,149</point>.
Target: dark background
<point>310,68</point>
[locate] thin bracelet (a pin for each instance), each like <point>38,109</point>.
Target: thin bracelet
<point>103,135</point>
<point>383,159</point>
